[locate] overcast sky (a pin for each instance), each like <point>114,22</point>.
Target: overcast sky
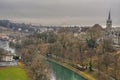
<point>61,12</point>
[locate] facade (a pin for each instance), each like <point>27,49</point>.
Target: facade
<point>7,58</point>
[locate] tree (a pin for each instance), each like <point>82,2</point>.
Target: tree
<point>106,61</point>
<point>38,69</point>
<point>94,34</point>
<point>52,37</point>
<point>91,44</point>
<point>116,66</point>
<point>107,45</point>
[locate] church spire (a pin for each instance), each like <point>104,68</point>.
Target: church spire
<point>109,21</point>
<point>109,17</point>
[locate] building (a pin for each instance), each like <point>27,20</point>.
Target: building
<point>7,60</point>
<point>108,30</point>
<point>109,22</point>
<point>7,57</point>
<point>112,33</point>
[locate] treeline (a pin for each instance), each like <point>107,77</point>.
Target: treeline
<point>16,26</point>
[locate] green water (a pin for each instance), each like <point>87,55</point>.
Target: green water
<point>62,73</point>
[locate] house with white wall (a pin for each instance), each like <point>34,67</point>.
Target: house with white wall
<point>7,57</point>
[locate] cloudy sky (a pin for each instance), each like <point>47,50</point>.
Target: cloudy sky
<point>60,12</point>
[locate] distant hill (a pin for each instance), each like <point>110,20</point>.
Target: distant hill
<point>16,26</point>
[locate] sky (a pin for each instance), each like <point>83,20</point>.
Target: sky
<point>61,12</point>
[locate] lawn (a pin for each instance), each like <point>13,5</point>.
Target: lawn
<point>12,73</point>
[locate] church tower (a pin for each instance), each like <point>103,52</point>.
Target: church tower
<point>109,22</point>
<point>108,30</point>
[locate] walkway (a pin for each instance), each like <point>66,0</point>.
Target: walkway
<point>13,63</point>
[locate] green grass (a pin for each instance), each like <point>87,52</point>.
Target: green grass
<point>12,73</point>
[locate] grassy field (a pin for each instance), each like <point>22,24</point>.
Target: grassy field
<point>12,73</point>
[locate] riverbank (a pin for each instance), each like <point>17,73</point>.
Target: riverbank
<point>83,74</point>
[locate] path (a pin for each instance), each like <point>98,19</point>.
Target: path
<point>13,63</point>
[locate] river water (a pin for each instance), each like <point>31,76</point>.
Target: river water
<point>62,73</point>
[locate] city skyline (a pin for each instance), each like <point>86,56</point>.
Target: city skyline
<point>61,12</point>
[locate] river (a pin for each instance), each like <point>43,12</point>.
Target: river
<point>62,73</point>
